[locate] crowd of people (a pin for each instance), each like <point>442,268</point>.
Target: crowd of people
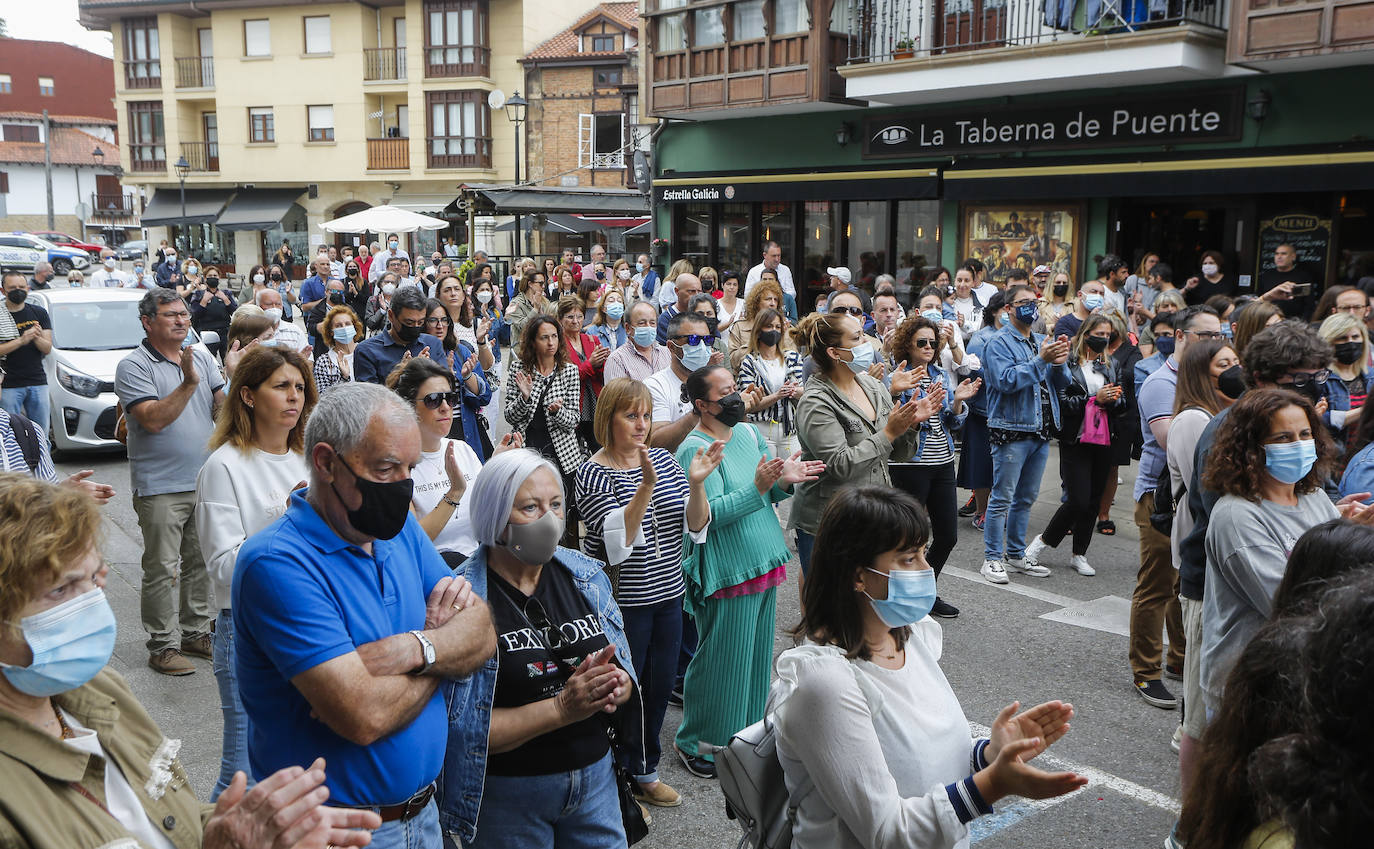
<point>421,627</point>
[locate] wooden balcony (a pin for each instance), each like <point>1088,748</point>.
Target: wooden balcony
<point>388,154</point>
<point>112,205</point>
<point>202,156</point>
<point>143,74</point>
<point>384,63</point>
<point>450,61</point>
<point>1310,30</point>
<point>148,157</point>
<point>196,72</point>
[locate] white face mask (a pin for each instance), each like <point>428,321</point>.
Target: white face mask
<point>109,262</point>
<point>259,279</point>
<point>389,289</point>
<point>1209,268</point>
<point>273,314</point>
<point>624,274</point>
<point>484,297</point>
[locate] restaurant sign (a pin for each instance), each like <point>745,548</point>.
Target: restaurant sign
<point>1214,115</point>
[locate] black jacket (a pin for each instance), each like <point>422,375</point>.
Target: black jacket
<point>1073,400</point>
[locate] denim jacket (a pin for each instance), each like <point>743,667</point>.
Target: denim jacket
<point>948,418</point>
<point>1338,401</point>
<point>977,343</point>
<point>1014,373</point>
<point>469,699</point>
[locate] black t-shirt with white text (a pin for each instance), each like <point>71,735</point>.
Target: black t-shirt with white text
<point>24,365</point>
<point>528,673</point>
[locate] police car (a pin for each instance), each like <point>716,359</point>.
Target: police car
<point>22,251</point>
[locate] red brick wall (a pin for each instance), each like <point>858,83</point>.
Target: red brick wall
<point>563,95</point>
<point>83,81</point>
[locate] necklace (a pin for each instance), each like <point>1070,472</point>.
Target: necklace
<point>67,732</point>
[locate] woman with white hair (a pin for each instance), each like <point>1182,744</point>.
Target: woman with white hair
<point>561,685</point>
<point>1350,379</point>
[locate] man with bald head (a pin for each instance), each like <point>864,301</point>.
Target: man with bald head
<point>687,286</point>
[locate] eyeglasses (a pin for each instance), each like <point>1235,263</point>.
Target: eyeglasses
<point>412,325</point>
<point>1207,334</point>
<point>1354,308</point>
<point>695,339</point>
<point>434,399</point>
<point>924,343</point>
<point>539,618</point>
<point>443,319</point>
<point>854,311</point>
<point>1302,378</point>
<point>1021,303</point>
<point>175,315</point>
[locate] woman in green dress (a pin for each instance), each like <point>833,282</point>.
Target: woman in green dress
<point>732,578</point>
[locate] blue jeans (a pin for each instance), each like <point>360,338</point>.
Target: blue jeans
<point>1016,470</point>
<point>655,634</point>
<point>568,810</point>
<point>805,542</point>
<point>234,746</point>
<point>31,402</point>
<point>419,832</point>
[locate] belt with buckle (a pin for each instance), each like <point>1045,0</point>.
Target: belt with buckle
<point>409,808</point>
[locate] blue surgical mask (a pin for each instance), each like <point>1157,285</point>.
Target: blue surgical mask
<point>1289,462</point>
<point>615,311</point>
<point>910,595</point>
<point>863,358</point>
<point>71,643</point>
<point>934,315</point>
<point>192,269</point>
<point>1165,344</point>
<point>1092,301</point>
<point>1027,313</point>
<point>822,309</point>
<point>1004,318</point>
<point>695,356</point>
<point>345,334</point>
<point>393,245</point>
<point>639,266</point>
<point>645,336</point>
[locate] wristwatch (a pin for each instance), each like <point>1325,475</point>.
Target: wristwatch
<point>426,649</point>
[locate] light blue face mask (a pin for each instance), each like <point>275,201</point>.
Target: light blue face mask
<point>71,643</point>
<point>910,596</point>
<point>615,311</point>
<point>639,266</point>
<point>934,315</point>
<point>863,358</point>
<point>1289,462</point>
<point>1092,301</point>
<point>645,336</point>
<point>695,356</point>
<point>345,334</point>
<point>1004,318</point>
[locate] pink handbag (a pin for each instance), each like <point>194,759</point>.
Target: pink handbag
<point>1095,430</point>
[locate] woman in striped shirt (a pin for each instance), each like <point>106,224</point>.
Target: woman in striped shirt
<point>928,475</point>
<point>636,502</point>
<point>773,364</point>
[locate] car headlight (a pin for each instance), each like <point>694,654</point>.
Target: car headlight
<point>79,382</point>
<point>80,261</point>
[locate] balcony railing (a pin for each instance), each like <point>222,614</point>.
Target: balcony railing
<point>388,154</point>
<point>112,205</point>
<point>143,73</point>
<point>147,157</point>
<point>196,72</point>
<point>460,152</point>
<point>883,30</point>
<point>465,61</point>
<point>202,156</point>
<point>608,160</point>
<point>384,63</point>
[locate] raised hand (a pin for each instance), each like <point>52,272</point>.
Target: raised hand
<point>967,389</point>
<point>795,470</point>
<point>1108,394</point>
<point>599,355</point>
<point>484,328</point>
<point>1010,775</point>
<point>904,379</point>
<point>766,474</point>
<point>705,461</point>
<point>877,371</point>
<point>457,483</point>
<point>508,442</point>
<point>555,405</point>
<point>1045,723</point>
<point>717,359</point>
<point>754,399</point>
<point>524,384</point>
<point>646,468</point>
<point>189,375</point>
<point>594,686</point>
<point>468,365</point>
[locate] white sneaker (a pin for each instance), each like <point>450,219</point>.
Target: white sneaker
<point>1177,743</point>
<point>1033,550</point>
<point>1080,565</point>
<point>1028,567</point>
<point>994,572</point>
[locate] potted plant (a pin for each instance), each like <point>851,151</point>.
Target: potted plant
<point>904,49</point>
<point>659,247</point>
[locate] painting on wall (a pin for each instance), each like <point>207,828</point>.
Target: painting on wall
<point>1011,235</point>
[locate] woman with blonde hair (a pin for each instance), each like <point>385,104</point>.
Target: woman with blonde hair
<point>1057,299</point>
<point>608,325</point>
<point>666,293</point>
<point>341,330</point>
<point>766,294</point>
<point>622,279</point>
<point>1351,377</point>
<point>1252,318</point>
<point>771,362</point>
<point>256,460</point>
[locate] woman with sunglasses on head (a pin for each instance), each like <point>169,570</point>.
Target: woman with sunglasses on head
<point>865,715</point>
<point>855,304</point>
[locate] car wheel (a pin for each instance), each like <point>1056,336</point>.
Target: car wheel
<point>61,266</point>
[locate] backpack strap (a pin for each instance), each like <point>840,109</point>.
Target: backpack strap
<point>29,437</point>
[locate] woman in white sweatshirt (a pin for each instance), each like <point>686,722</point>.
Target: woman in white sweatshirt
<point>873,743</point>
<point>257,459</point>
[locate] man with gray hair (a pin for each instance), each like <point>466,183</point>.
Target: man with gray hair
<point>598,254</point>
<point>347,621</point>
<point>288,334</point>
<point>170,394</point>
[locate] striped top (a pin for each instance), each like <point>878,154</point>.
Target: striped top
<point>754,370</point>
<point>653,571</point>
<point>935,449</point>
<point>12,456</point>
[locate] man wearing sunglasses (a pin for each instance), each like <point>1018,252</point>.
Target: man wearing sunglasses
<point>689,342</point>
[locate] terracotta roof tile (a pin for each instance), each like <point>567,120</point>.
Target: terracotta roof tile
<point>69,147</point>
<point>61,119</point>
<point>564,44</point>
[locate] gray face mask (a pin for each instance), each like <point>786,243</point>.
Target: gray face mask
<point>534,543</point>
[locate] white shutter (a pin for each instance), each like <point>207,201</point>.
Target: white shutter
<point>585,139</point>
<point>257,38</point>
<point>317,34</point>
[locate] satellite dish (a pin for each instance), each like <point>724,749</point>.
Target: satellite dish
<point>497,99</point>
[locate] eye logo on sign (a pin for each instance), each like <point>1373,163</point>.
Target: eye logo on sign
<point>894,134</point>
<point>729,192</point>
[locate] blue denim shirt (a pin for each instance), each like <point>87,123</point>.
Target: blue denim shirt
<point>948,418</point>
<point>978,404</point>
<point>469,699</point>
<point>609,338</point>
<point>1013,374</point>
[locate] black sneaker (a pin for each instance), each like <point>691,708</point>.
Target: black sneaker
<point>675,697</point>
<point>1173,673</point>
<point>698,766</point>
<point>970,507</point>
<point>943,609</point>
<point>1156,694</point>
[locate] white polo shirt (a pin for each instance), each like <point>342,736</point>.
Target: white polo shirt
<point>665,389</point>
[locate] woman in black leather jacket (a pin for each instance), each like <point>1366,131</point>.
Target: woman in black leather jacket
<point>1091,409</point>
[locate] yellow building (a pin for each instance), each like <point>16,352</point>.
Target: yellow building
<point>290,114</point>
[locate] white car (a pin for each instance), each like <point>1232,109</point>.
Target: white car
<point>92,330</point>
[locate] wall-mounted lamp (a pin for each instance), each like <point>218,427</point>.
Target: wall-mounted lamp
<point>845,134</point>
<point>1257,106</point>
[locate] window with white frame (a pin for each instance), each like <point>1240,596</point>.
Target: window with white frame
<point>257,38</point>
<point>601,140</point>
<point>5,85</point>
<point>46,87</point>
<point>321,121</point>
<point>317,35</point>
<point>261,128</point>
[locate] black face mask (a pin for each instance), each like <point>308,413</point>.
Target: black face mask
<point>1097,344</point>
<point>1349,353</point>
<point>732,410</point>
<point>770,337</point>
<point>212,282</point>
<point>351,271</point>
<point>1061,289</point>
<point>1165,344</point>
<point>336,297</point>
<point>407,333</point>
<point>1231,382</point>
<point>1311,390</point>
<point>276,277</point>
<point>18,296</point>
<point>385,506</point>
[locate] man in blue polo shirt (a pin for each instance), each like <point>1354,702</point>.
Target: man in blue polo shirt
<point>347,619</point>
<point>376,356</point>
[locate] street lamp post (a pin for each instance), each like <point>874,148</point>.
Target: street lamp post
<point>99,156</point>
<point>515,112</point>
<point>183,167</point>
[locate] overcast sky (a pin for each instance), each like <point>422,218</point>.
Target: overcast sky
<point>52,20</point>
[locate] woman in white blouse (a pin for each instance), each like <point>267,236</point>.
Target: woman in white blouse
<point>863,712</point>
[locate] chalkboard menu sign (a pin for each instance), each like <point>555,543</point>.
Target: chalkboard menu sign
<point>1309,235</point>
